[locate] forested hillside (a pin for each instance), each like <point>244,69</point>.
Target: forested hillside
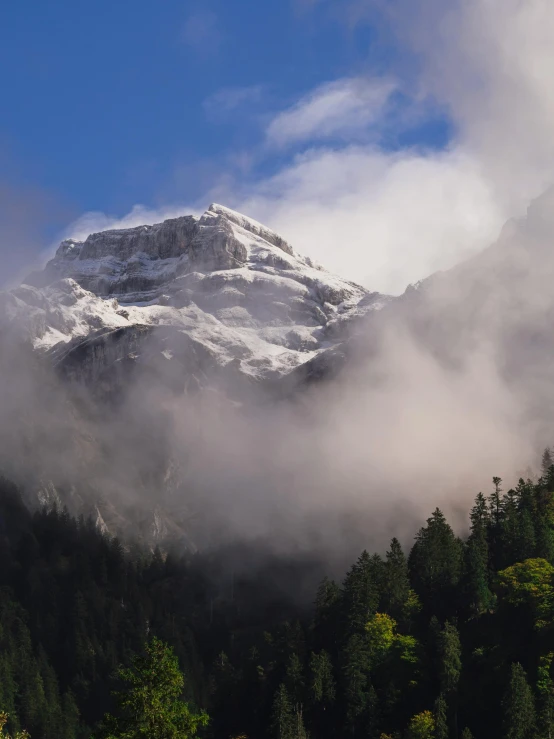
<point>454,638</point>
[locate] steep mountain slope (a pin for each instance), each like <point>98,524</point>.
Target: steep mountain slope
<point>500,305</point>
<point>144,318</point>
<point>147,317</point>
<point>217,291</point>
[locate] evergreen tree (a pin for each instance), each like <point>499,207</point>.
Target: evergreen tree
<point>545,690</point>
<point>357,685</point>
<point>546,461</point>
<point>361,592</point>
<point>295,682</point>
<point>441,719</point>
<point>450,664</point>
<point>396,586</point>
<point>495,502</point>
<point>466,734</point>
<point>327,614</point>
<point>519,706</point>
<point>477,588</point>
<point>436,563</point>
<point>70,716</point>
<point>323,689</point>
<point>150,704</point>
<point>284,720</point>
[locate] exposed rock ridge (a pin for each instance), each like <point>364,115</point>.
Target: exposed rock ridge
<point>233,289</point>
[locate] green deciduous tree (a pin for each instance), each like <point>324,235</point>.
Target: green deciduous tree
<point>531,584</point>
<point>4,735</point>
<point>421,726</point>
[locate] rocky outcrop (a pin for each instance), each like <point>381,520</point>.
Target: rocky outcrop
<point>219,292</point>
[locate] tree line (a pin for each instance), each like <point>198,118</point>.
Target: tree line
<point>451,639</point>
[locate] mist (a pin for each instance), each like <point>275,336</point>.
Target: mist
<point>424,410</point>
<point>439,391</point>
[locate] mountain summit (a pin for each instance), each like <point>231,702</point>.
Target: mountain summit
<point>229,291</point>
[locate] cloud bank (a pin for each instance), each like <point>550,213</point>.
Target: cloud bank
<point>387,217</point>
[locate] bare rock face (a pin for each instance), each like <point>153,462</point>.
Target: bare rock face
<point>238,292</point>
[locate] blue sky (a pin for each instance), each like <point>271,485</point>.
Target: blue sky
<point>308,114</point>
<point>108,104</point>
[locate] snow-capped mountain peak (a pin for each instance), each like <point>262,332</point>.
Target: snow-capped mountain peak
<point>234,288</point>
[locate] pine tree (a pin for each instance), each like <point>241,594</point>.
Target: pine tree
<point>396,587</point>
<point>150,703</point>
<point>546,461</point>
<point>495,502</point>
<point>477,588</point>
<point>357,685</point>
<point>519,706</point>
<point>327,613</point>
<point>295,682</point>
<point>436,563</point>
<point>322,681</point>
<point>450,664</point>
<point>361,592</point>
<point>441,719</point>
<point>466,734</point>
<point>283,720</point>
<point>70,716</point>
<point>545,690</point>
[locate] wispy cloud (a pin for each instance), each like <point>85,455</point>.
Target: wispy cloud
<point>202,33</point>
<point>387,218</point>
<point>222,103</point>
<point>338,109</point>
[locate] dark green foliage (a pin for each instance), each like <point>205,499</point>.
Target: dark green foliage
<point>456,634</point>
<point>286,721</point>
<point>450,663</point>
<point>519,706</point>
<point>361,591</point>
<point>322,681</point>
<point>149,703</point>
<point>436,563</point>
<point>441,721</point>
<point>396,581</point>
<point>546,461</point>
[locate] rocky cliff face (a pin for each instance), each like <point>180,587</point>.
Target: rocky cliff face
<point>233,293</point>
<point>143,318</point>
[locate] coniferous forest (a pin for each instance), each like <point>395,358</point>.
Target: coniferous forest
<point>452,638</point>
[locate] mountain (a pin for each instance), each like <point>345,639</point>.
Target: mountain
<point>219,291</point>
<point>110,337</point>
<point>122,337</point>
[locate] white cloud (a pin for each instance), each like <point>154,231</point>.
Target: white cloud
<point>93,222</point>
<point>390,218</point>
<point>386,219</point>
<point>341,108</point>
